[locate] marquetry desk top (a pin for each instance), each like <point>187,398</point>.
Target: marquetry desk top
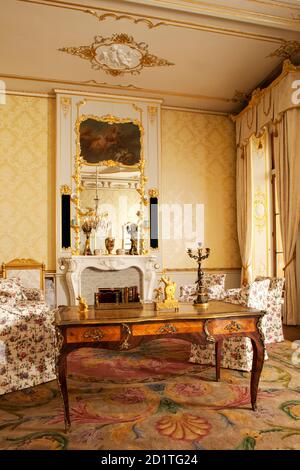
<point>123,329</point>
<point>66,316</point>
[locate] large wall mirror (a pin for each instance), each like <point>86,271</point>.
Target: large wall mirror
<point>111,209</point>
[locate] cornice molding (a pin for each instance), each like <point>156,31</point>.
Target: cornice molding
<point>95,84</point>
<point>229,12</point>
<point>258,93</point>
<point>125,98</point>
<point>151,21</point>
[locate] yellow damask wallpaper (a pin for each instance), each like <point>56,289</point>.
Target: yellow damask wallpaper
<point>198,166</point>
<point>27,179</point>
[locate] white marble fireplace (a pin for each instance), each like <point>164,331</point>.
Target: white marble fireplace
<point>78,269</point>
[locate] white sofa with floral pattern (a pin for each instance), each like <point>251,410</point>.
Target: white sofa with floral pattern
<point>263,294</point>
<point>27,337</point>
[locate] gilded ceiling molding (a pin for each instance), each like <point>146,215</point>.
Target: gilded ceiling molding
<point>287,50</point>
<point>117,55</point>
<point>241,97</point>
<point>116,17</point>
<point>120,14</point>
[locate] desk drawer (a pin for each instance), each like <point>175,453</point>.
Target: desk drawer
<point>161,328</point>
<point>227,327</point>
<point>92,334</point>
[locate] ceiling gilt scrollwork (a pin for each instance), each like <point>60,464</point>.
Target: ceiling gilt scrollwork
<point>287,49</point>
<point>117,55</point>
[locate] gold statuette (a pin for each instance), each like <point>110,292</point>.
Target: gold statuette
<point>83,308</point>
<point>165,295</point>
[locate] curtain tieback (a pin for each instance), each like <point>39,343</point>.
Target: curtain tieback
<point>246,266</point>
<point>290,261</point>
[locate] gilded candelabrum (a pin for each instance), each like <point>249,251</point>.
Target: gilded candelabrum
<point>201,299</point>
<point>87,228</point>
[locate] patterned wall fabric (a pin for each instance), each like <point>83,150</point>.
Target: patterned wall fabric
<point>27,179</point>
<point>198,166</point>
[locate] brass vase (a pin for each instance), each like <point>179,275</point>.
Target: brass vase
<point>109,244</point>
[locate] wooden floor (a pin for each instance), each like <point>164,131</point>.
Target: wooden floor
<point>291,332</point>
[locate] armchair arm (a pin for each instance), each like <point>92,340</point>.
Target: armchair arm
<point>233,296</point>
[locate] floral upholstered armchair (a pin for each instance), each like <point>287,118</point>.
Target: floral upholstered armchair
<point>27,337</point>
<point>214,284</point>
<point>263,294</point>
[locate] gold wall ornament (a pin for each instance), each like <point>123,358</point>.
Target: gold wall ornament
<point>287,49</point>
<point>117,55</point>
<point>65,104</point>
<point>152,112</point>
<point>65,189</point>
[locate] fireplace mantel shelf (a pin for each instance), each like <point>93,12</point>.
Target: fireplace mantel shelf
<point>73,266</point>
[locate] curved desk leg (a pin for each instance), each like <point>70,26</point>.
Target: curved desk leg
<point>61,370</point>
<point>218,350</point>
<point>257,365</point>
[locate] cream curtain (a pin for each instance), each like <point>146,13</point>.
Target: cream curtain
<point>287,167</point>
<point>244,209</point>
<point>275,106</point>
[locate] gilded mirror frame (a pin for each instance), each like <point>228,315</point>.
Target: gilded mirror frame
<point>79,162</point>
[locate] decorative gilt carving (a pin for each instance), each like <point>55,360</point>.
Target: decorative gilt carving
<point>116,17</point>
<point>241,97</point>
<point>287,49</point>
<point>127,330</point>
<point>65,104</point>
<point>167,329</point>
<point>153,192</point>
<point>260,213</point>
<point>209,337</point>
<point>233,327</point>
<point>152,113</point>
<point>117,55</point>
<point>65,189</point>
<point>79,161</point>
<point>94,334</point>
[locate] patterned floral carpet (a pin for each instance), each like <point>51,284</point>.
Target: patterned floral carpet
<point>152,398</point>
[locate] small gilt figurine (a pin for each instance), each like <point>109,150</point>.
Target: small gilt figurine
<point>83,307</point>
<point>166,289</point>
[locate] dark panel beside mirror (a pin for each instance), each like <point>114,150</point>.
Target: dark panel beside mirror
<point>65,220</point>
<point>153,222</point>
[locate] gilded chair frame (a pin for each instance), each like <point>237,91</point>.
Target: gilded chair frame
<point>23,264</point>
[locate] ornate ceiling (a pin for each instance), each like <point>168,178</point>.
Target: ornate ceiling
<point>205,55</point>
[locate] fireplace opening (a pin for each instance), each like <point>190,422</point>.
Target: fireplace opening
<point>93,279</point>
